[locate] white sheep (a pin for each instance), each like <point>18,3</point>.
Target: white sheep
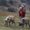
<point>9,19</point>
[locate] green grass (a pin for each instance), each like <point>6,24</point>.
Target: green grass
<point>12,26</point>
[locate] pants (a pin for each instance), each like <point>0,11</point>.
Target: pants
<point>21,19</point>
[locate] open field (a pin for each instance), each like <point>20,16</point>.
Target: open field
<point>12,26</point>
<point>6,13</point>
<point>15,27</point>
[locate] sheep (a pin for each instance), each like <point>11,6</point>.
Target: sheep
<point>9,19</point>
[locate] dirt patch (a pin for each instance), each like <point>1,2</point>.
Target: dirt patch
<point>7,13</point>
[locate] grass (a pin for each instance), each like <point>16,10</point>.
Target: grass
<point>12,26</point>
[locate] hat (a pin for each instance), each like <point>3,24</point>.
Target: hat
<point>23,5</point>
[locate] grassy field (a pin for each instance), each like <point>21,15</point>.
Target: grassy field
<point>12,26</point>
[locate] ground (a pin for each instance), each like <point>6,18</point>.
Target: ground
<point>12,26</point>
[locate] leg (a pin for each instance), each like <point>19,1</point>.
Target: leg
<point>9,22</point>
<point>21,21</point>
<point>13,21</point>
<point>29,23</point>
<point>6,23</point>
<point>21,24</point>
